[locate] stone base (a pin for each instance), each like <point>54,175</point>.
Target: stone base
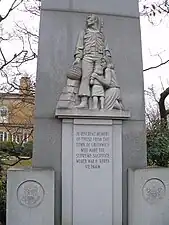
<point>30,197</point>
<point>148,196</point>
<point>86,113</point>
<point>91,172</point>
<point>68,97</point>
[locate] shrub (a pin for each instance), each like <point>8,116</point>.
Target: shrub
<point>158,144</point>
<point>2,197</point>
<point>14,149</point>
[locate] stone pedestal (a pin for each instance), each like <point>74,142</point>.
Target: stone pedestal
<point>61,22</point>
<point>148,196</point>
<point>30,197</point>
<point>92,169</point>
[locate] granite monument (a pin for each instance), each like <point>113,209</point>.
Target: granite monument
<point>92,114</point>
<point>89,119</point>
<point>90,100</point>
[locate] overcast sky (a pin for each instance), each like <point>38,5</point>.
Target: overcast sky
<point>155,40</point>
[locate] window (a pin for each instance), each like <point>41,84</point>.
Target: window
<point>13,137</point>
<point>17,139</point>
<point>3,136</point>
<point>25,137</point>
<point>3,111</point>
<point>3,114</point>
<point>20,138</point>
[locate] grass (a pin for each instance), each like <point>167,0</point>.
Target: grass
<point>22,163</point>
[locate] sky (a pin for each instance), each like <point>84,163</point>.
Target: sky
<point>155,47</point>
<point>9,26</point>
<point>155,40</point>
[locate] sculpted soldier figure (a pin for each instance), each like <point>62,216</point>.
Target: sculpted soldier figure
<point>90,48</point>
<point>92,74</point>
<point>97,89</point>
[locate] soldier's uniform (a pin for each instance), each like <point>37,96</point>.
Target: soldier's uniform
<point>91,47</point>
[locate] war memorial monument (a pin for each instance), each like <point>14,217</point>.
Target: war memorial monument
<point>89,159</point>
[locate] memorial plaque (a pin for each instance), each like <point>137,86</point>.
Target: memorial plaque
<point>92,174</point>
<point>30,193</point>
<point>153,190</point>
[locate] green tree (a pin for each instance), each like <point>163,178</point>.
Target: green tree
<point>157,143</point>
<point>2,195</point>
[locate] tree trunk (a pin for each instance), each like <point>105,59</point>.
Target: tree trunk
<point>163,111</point>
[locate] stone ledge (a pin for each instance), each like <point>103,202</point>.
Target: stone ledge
<point>86,113</point>
<point>115,8</point>
<point>31,169</point>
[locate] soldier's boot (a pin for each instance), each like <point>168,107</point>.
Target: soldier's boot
<point>84,103</point>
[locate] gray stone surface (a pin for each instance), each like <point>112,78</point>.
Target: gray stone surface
<point>92,71</point>
<point>81,113</point>
<point>134,153</point>
<point>148,196</point>
<point>126,54</point>
<point>91,175</point>
<point>30,197</point>
<point>49,138</point>
<point>88,176</point>
<point>58,35</point>
<point>120,7</point>
<point>47,153</point>
<point>67,98</point>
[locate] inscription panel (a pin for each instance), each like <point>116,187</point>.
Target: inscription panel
<point>92,174</point>
<point>92,148</point>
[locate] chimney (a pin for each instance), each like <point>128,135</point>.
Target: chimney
<point>25,85</point>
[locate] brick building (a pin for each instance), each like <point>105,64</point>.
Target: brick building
<point>16,113</point>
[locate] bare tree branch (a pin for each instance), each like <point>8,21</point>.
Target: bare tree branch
<point>3,56</point>
<point>152,94</point>
<point>13,58</point>
<point>157,66</point>
<point>33,9</point>
<point>162,108</point>
<point>161,84</point>
<point>19,159</point>
<point>14,5</point>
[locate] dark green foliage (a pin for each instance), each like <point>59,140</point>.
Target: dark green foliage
<point>27,149</point>
<point>13,149</point>
<point>158,144</point>
<point>7,150</point>
<point>2,197</point>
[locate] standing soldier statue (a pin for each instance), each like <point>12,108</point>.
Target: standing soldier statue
<point>90,48</point>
